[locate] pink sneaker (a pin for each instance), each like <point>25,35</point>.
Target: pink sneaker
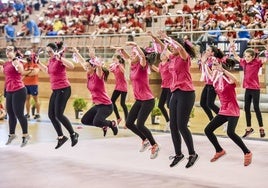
<point>218,155</point>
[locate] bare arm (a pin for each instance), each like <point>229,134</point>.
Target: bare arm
<point>155,68</point>
<point>81,60</point>
<point>232,50</point>
<point>157,40</point>
<point>42,67</point>
<point>18,65</point>
<point>121,51</point>
<point>140,53</point>
<point>67,63</point>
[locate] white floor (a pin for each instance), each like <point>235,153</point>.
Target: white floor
<point>116,162</point>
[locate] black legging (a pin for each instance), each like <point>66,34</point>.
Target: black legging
<point>140,112</point>
<point>207,101</point>
<point>164,99</point>
<point>180,107</point>
<point>97,115</point>
<point>56,107</point>
<point>115,96</point>
<point>254,95</point>
<point>216,122</point>
<point>15,102</point>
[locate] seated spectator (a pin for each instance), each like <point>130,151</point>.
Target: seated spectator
<point>212,35</point>
<point>78,28</point>
<point>243,34</point>
<point>102,27</point>
<point>257,35</point>
<point>10,32</point>
<point>169,24</point>
<point>186,9</point>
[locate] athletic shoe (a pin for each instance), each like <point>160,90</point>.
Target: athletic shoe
<point>191,160</point>
<point>218,155</point>
<point>104,129</point>
<point>27,116</point>
<point>176,159</point>
<point>154,151</point>
<point>11,137</point>
<point>262,133</point>
<point>25,140</point>
<point>145,145</point>
<point>247,133</point>
<point>36,116</point>
<point>61,141</point>
<point>247,159</point>
<point>114,127</point>
<point>74,138</point>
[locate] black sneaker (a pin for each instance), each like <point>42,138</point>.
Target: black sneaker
<point>104,129</point>
<point>247,133</point>
<point>114,127</point>
<point>25,140</point>
<point>192,159</point>
<point>61,141</point>
<point>176,159</point>
<point>74,138</point>
<point>27,116</point>
<point>262,133</point>
<point>36,116</point>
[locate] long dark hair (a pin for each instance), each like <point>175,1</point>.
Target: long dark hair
<point>152,57</point>
<point>55,46</point>
<point>120,59</point>
<point>217,52</point>
<point>188,48</point>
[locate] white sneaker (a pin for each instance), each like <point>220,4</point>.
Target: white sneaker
<point>11,137</point>
<point>145,145</point>
<point>25,140</point>
<point>154,151</point>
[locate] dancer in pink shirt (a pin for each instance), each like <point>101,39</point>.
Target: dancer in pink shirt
<point>183,94</point>
<point>15,95</point>
<point>118,69</point>
<point>224,83</point>
<point>103,107</point>
<point>251,66</point>
<point>144,99</point>
<point>61,92</point>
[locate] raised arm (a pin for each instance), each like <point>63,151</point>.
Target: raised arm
<point>157,40</point>
<point>232,50</point>
<point>181,51</point>
<point>80,59</point>
<point>139,53</point>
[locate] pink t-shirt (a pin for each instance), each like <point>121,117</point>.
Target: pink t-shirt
<point>180,71</point>
<point>13,79</point>
<point>251,70</point>
<point>165,75</point>
<point>96,86</point>
<point>120,79</point>
<point>140,82</point>
<point>57,74</point>
<point>227,97</point>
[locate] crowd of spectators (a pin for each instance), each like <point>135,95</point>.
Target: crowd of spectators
<point>74,17</point>
<point>223,19</point>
